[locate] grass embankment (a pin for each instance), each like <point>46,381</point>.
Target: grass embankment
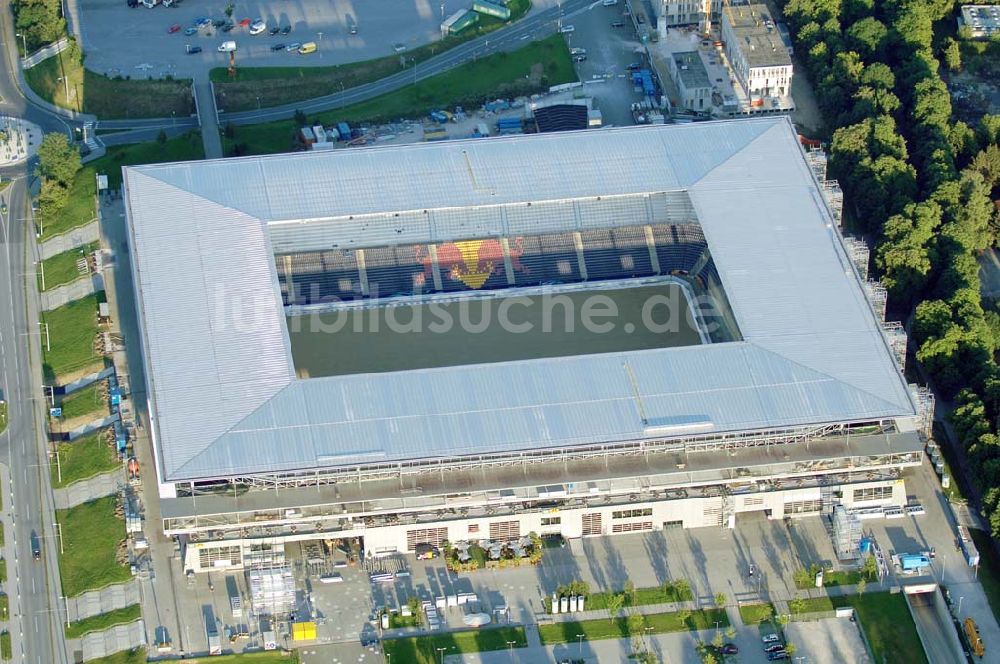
<point>81,209</point>
<point>531,69</point>
<point>3,416</point>
<point>654,623</point>
<point>134,656</point>
<point>107,98</point>
<point>72,332</point>
<point>90,536</point>
<point>85,457</point>
<point>3,570</point>
<point>66,267</point>
<point>424,649</point>
<point>91,400</point>
<point>274,86</point>
<point>103,621</point>
<point>6,650</point>
<point>886,620</point>
<point>643,596</point>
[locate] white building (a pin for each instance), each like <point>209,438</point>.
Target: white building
<point>756,52</point>
<point>982,21</point>
<point>691,78</point>
<point>787,402</point>
<point>672,13</point>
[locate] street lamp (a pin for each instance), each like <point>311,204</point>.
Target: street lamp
<point>580,637</point>
<point>24,42</point>
<point>48,347</point>
<point>960,605</point>
<point>510,644</point>
<point>441,653</point>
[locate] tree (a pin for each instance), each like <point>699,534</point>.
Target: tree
<point>791,649</point>
<point>615,603</point>
<point>721,600</point>
<point>717,641</point>
<point>730,632</point>
<point>867,36</point>
<point>58,160</point>
<point>300,118</point>
<point>161,138</point>
<point>862,585</point>
<point>952,54</point>
<point>904,256</point>
<point>797,605</point>
<point>870,568</point>
<point>629,591</point>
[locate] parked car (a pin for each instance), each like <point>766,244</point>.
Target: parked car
<point>770,638</point>
<point>258,27</point>
<point>228,26</point>
<point>333,577</point>
<point>218,23</point>
<point>399,48</point>
<point>567,28</point>
<point>729,649</point>
<point>294,46</point>
<point>176,27</point>
<point>353,30</point>
<point>778,656</point>
<point>191,50</point>
<point>285,30</point>
<point>245,23</point>
<point>774,647</point>
<point>618,24</point>
<point>132,3</point>
<point>278,47</point>
<point>227,47</point>
<point>190,31</point>
<point>275,30</point>
<point>307,48</point>
<point>203,22</point>
<point>579,58</point>
<point>635,66</point>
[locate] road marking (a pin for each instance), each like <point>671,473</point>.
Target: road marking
<point>33,590</point>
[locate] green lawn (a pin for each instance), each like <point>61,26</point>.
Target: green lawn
<point>64,268</point>
<point>72,329</point>
<point>655,623</point>
<point>3,570</point>
<point>181,148</point>
<point>643,596</point>
<point>79,211</point>
<point>530,69</point>
<point>989,569</point>
<point>81,207</point>
<point>396,620</point>
<point>6,652</point>
<point>90,400</point>
<point>105,97</point>
<point>754,614</point>
<point>91,533</point>
<point>423,649</point>
<point>4,606</point>
<point>103,621</point>
<point>255,87</point>
<point>3,416</point>
<point>134,656</point>
<point>886,620</point>
<point>84,457</point>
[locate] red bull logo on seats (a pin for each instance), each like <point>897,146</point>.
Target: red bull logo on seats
<point>470,261</point>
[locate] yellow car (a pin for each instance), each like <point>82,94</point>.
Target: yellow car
<point>307,48</point>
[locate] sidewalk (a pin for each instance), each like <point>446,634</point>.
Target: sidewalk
<point>57,297</point>
<point>110,641</point>
<point>71,239</point>
<point>84,491</point>
<point>105,600</point>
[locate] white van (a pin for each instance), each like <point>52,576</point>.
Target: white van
<point>227,47</point>
<point>567,28</point>
<point>610,3</point>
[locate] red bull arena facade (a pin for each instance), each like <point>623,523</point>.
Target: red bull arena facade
<point>484,339</point>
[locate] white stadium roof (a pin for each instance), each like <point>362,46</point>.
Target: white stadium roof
<point>224,397</point>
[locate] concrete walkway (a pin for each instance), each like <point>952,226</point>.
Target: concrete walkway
<point>15,620</point>
<point>87,380</point>
<point>86,490</point>
<point>96,602</point>
<point>208,117</point>
<point>71,239</point>
<point>93,426</point>
<point>57,297</point>
<point>44,53</point>
<point>110,641</point>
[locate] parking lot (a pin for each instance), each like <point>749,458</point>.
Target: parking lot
<point>609,53</point>
<point>135,42</point>
<point>828,641</point>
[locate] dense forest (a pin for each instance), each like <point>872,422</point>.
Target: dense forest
<point>920,185</point>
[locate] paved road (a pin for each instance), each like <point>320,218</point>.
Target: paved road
<point>23,445</point>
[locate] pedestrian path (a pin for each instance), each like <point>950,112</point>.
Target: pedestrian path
<point>11,587</point>
<point>105,600</point>
<point>208,118</point>
<point>71,239</point>
<point>110,641</point>
<point>44,53</point>
<point>57,297</point>
<point>87,490</point>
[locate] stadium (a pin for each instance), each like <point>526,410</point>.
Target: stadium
<point>583,333</point>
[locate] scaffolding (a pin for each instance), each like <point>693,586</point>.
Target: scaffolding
<point>878,297</point>
<point>858,251</point>
<point>925,409</point>
<point>835,199</point>
<point>896,336</point>
<point>272,590</point>
<point>816,158</point>
<point>846,534</point>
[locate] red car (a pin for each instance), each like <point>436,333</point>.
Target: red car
<point>245,23</point>
<point>176,27</point>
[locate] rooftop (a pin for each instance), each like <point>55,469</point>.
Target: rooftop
<point>757,36</point>
<point>224,397</point>
<point>981,20</point>
<point>691,70</point>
